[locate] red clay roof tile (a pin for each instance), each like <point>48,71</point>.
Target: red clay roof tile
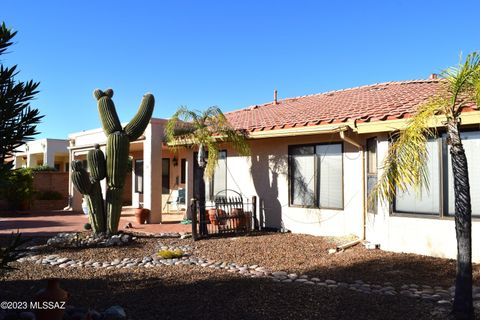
<point>383,101</point>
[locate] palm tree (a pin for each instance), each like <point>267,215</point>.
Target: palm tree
<point>405,165</point>
<point>206,130</point>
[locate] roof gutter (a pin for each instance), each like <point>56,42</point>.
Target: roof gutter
<point>299,131</point>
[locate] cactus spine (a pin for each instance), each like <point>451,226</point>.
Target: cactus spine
<point>105,218</point>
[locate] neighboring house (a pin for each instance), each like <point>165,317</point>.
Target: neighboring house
<point>48,152</point>
<point>313,162</point>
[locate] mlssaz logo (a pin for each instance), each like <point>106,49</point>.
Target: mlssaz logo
<point>48,305</point>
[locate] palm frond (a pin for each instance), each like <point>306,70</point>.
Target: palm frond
<point>406,160</point>
<point>212,159</point>
<point>463,81</point>
<point>210,128</point>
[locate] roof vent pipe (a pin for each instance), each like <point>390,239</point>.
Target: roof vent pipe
<point>433,76</point>
<point>275,96</point>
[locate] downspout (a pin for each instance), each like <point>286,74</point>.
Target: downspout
<point>360,148</point>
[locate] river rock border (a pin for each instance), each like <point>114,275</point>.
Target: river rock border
<point>435,294</point>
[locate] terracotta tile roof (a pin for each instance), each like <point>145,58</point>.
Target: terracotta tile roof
<point>384,101</point>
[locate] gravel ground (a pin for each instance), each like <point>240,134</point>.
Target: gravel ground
<point>187,292</point>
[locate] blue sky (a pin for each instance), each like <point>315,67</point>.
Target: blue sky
<point>226,53</point>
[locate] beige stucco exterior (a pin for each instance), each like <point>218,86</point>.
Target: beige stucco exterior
<point>420,234</point>
<point>265,174</point>
<point>48,152</point>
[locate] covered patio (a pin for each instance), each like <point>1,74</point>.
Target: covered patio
<point>159,179</point>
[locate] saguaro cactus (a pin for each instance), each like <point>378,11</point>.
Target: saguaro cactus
<point>105,215</point>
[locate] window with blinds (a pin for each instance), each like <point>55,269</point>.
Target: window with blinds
<point>471,144</point>
<point>316,176</point>
<point>426,200</point>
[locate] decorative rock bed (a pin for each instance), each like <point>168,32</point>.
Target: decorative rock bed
<point>436,294</point>
<point>75,240</point>
<point>78,240</point>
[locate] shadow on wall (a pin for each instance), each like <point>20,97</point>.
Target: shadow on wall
<point>265,170</point>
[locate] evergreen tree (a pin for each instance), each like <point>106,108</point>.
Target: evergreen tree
<point>17,119</point>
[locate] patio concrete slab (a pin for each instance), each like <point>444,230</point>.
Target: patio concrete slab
<point>49,223</point>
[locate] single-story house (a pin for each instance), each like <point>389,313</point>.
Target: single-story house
<point>313,162</point>
<point>42,152</point>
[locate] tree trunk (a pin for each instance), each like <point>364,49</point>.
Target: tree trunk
<point>463,302</point>
<point>200,195</point>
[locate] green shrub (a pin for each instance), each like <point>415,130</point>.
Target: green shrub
<point>48,195</point>
<point>87,226</point>
<point>43,168</point>
<point>169,254</point>
<point>18,189</point>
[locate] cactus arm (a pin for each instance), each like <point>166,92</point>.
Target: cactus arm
<point>106,109</point>
<point>96,209</point>
<point>97,164</point>
<point>80,178</point>
<point>139,122</point>
<point>92,193</point>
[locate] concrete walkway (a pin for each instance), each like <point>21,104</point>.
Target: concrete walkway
<point>49,223</point>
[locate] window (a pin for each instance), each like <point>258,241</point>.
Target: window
<point>471,144</point>
<point>138,168</point>
<point>439,198</point>
<point>183,170</point>
<point>316,176</point>
<point>67,166</point>
<point>427,200</point>
<point>165,176</point>
<point>303,176</point>
<point>372,167</point>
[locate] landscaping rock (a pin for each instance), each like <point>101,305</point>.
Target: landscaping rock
<point>114,313</point>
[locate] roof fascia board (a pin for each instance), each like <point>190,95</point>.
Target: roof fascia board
<point>300,131</point>
<point>472,117</point>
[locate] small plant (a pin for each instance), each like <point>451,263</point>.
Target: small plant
<point>12,252</point>
<point>170,254</point>
<point>87,226</point>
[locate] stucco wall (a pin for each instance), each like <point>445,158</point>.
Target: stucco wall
<point>265,175</point>
<point>429,235</point>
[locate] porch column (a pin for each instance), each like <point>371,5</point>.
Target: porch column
<point>48,157</point>
<point>31,160</point>
<point>152,171</point>
<point>70,183</point>
<point>188,193</point>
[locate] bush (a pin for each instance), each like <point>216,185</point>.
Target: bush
<point>169,254</point>
<point>43,168</point>
<point>11,252</point>
<point>48,195</point>
<point>18,189</point>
